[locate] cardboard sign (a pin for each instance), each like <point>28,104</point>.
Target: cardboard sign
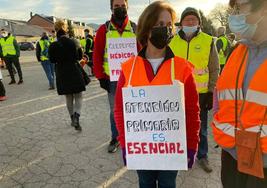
<point>119,50</point>
<point>155,129</point>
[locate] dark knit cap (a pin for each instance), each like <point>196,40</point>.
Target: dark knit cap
<point>190,11</point>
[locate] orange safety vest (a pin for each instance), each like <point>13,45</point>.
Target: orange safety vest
<point>139,77</point>
<point>251,108</point>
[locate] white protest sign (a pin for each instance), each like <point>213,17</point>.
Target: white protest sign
<point>119,50</point>
<point>155,129</point>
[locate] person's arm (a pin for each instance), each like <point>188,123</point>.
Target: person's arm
<point>79,50</point>
<point>215,102</point>
<point>38,51</point>
<point>1,52</point>
<point>219,45</point>
<point>118,111</point>
<point>98,54</point>
<point>192,114</point>
<point>52,53</point>
<point>214,67</point>
<point>87,46</point>
<point>16,47</point>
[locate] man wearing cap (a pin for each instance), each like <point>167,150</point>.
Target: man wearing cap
<point>10,52</point>
<point>198,48</point>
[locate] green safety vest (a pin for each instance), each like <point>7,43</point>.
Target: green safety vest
<point>8,47</point>
<point>44,45</point>
<point>113,33</point>
<point>197,51</point>
<point>83,43</point>
<point>222,56</point>
<point>52,39</point>
<point>90,49</point>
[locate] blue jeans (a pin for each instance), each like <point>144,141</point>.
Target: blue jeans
<point>152,178</point>
<point>111,96</point>
<point>49,69</point>
<point>203,144</point>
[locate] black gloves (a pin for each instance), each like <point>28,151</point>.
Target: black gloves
<point>104,83</point>
<point>209,100</point>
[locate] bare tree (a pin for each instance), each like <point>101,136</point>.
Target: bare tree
<point>220,14</point>
<point>206,24</point>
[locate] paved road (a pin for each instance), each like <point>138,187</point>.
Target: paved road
<point>39,148</point>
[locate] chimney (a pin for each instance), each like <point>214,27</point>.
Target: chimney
<point>31,14</point>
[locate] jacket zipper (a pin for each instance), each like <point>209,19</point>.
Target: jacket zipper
<point>188,44</point>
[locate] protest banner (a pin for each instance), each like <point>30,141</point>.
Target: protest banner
<point>155,130</point>
<point>119,50</point>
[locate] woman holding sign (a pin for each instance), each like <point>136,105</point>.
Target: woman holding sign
<point>156,109</point>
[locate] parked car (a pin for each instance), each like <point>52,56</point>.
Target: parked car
<point>26,46</point>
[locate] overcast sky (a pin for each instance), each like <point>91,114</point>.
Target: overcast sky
<point>89,11</point>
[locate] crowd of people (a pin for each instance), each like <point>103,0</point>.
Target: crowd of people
<point>213,73</point>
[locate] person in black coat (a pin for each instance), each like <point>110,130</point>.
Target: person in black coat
<point>66,54</point>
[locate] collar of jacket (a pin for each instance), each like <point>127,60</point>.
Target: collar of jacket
<point>61,33</point>
<point>122,27</point>
<point>183,35</point>
<point>168,55</point>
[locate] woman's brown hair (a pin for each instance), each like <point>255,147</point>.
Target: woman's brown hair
<point>149,18</point>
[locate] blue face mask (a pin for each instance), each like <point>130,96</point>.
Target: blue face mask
<point>190,30</point>
<point>238,25</point>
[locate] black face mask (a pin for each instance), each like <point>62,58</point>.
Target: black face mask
<point>120,13</point>
<point>161,36</point>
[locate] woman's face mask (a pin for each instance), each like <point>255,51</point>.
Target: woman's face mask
<point>161,36</point>
<point>239,26</point>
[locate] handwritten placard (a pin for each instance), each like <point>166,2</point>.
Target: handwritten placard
<point>155,131</point>
<point>119,50</point>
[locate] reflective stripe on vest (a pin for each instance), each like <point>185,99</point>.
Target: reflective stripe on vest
<point>230,129</point>
<point>251,108</point>
<point>222,57</point>
<point>44,45</point>
<point>8,47</point>
<point>251,96</point>
<point>197,51</point>
<point>113,33</point>
<point>201,71</point>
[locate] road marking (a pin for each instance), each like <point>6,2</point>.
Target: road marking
<point>119,173</point>
<point>10,173</point>
<point>27,101</point>
<point>36,99</point>
<point>51,108</point>
<point>102,145</point>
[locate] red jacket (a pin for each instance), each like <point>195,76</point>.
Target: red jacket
<point>99,48</point>
<point>191,105</point>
